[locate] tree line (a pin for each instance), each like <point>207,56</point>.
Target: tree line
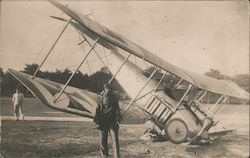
<point>93,82</point>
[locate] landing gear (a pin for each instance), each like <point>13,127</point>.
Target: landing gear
<point>176,131</point>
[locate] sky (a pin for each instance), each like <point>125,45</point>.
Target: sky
<point>194,35</point>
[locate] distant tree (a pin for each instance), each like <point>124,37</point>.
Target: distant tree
<point>1,75</point>
<point>31,69</point>
<point>57,76</point>
<point>216,74</point>
<point>98,79</point>
<point>105,70</point>
<point>1,80</point>
<point>48,75</point>
<point>65,75</point>
<point>80,80</point>
<point>243,80</point>
<point>9,83</point>
<point>1,72</point>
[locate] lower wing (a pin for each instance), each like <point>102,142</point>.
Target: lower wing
<point>73,100</point>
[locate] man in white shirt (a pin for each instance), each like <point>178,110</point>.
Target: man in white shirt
<point>17,101</point>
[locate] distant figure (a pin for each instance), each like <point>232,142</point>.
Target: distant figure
<point>17,101</point>
<point>107,120</point>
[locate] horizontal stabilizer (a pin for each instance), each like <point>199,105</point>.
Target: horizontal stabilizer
<point>221,132</point>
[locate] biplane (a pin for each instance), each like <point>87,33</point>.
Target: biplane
<point>169,96</point>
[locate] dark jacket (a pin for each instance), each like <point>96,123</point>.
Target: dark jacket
<point>107,112</point>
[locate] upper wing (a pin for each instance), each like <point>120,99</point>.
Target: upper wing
<point>121,42</point>
<point>95,30</point>
<point>223,87</point>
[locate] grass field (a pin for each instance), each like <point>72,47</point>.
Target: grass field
<point>40,139</point>
<point>47,139</point>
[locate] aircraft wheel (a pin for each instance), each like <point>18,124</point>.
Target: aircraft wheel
<point>176,131</point>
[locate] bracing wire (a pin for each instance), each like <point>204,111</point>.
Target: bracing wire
<point>136,69</point>
<point>100,58</point>
<point>105,57</point>
<point>65,50</point>
<point>52,28</point>
<point>79,35</point>
<point>62,58</point>
<point>89,61</point>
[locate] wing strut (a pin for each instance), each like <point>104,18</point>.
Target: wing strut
<point>244,102</point>
<point>133,100</point>
<point>224,100</point>
<point>76,70</point>
<point>189,87</point>
<point>155,89</point>
<point>118,70</point>
<point>152,90</point>
<point>179,82</point>
<point>203,95</point>
<point>124,61</point>
<point>39,67</point>
<point>198,95</point>
<point>81,43</point>
<point>218,101</point>
<point>160,81</point>
<point>203,110</point>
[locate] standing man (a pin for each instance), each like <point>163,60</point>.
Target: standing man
<point>17,101</point>
<point>107,120</point>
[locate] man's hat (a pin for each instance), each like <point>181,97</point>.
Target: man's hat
<point>106,85</point>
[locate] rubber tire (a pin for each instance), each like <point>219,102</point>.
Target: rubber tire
<point>172,128</point>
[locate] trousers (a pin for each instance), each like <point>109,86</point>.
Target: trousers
<point>104,142</point>
<point>18,111</point>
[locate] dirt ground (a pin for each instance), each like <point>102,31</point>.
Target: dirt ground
<point>40,139</point>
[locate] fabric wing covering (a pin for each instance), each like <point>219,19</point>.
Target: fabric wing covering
<point>105,34</point>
